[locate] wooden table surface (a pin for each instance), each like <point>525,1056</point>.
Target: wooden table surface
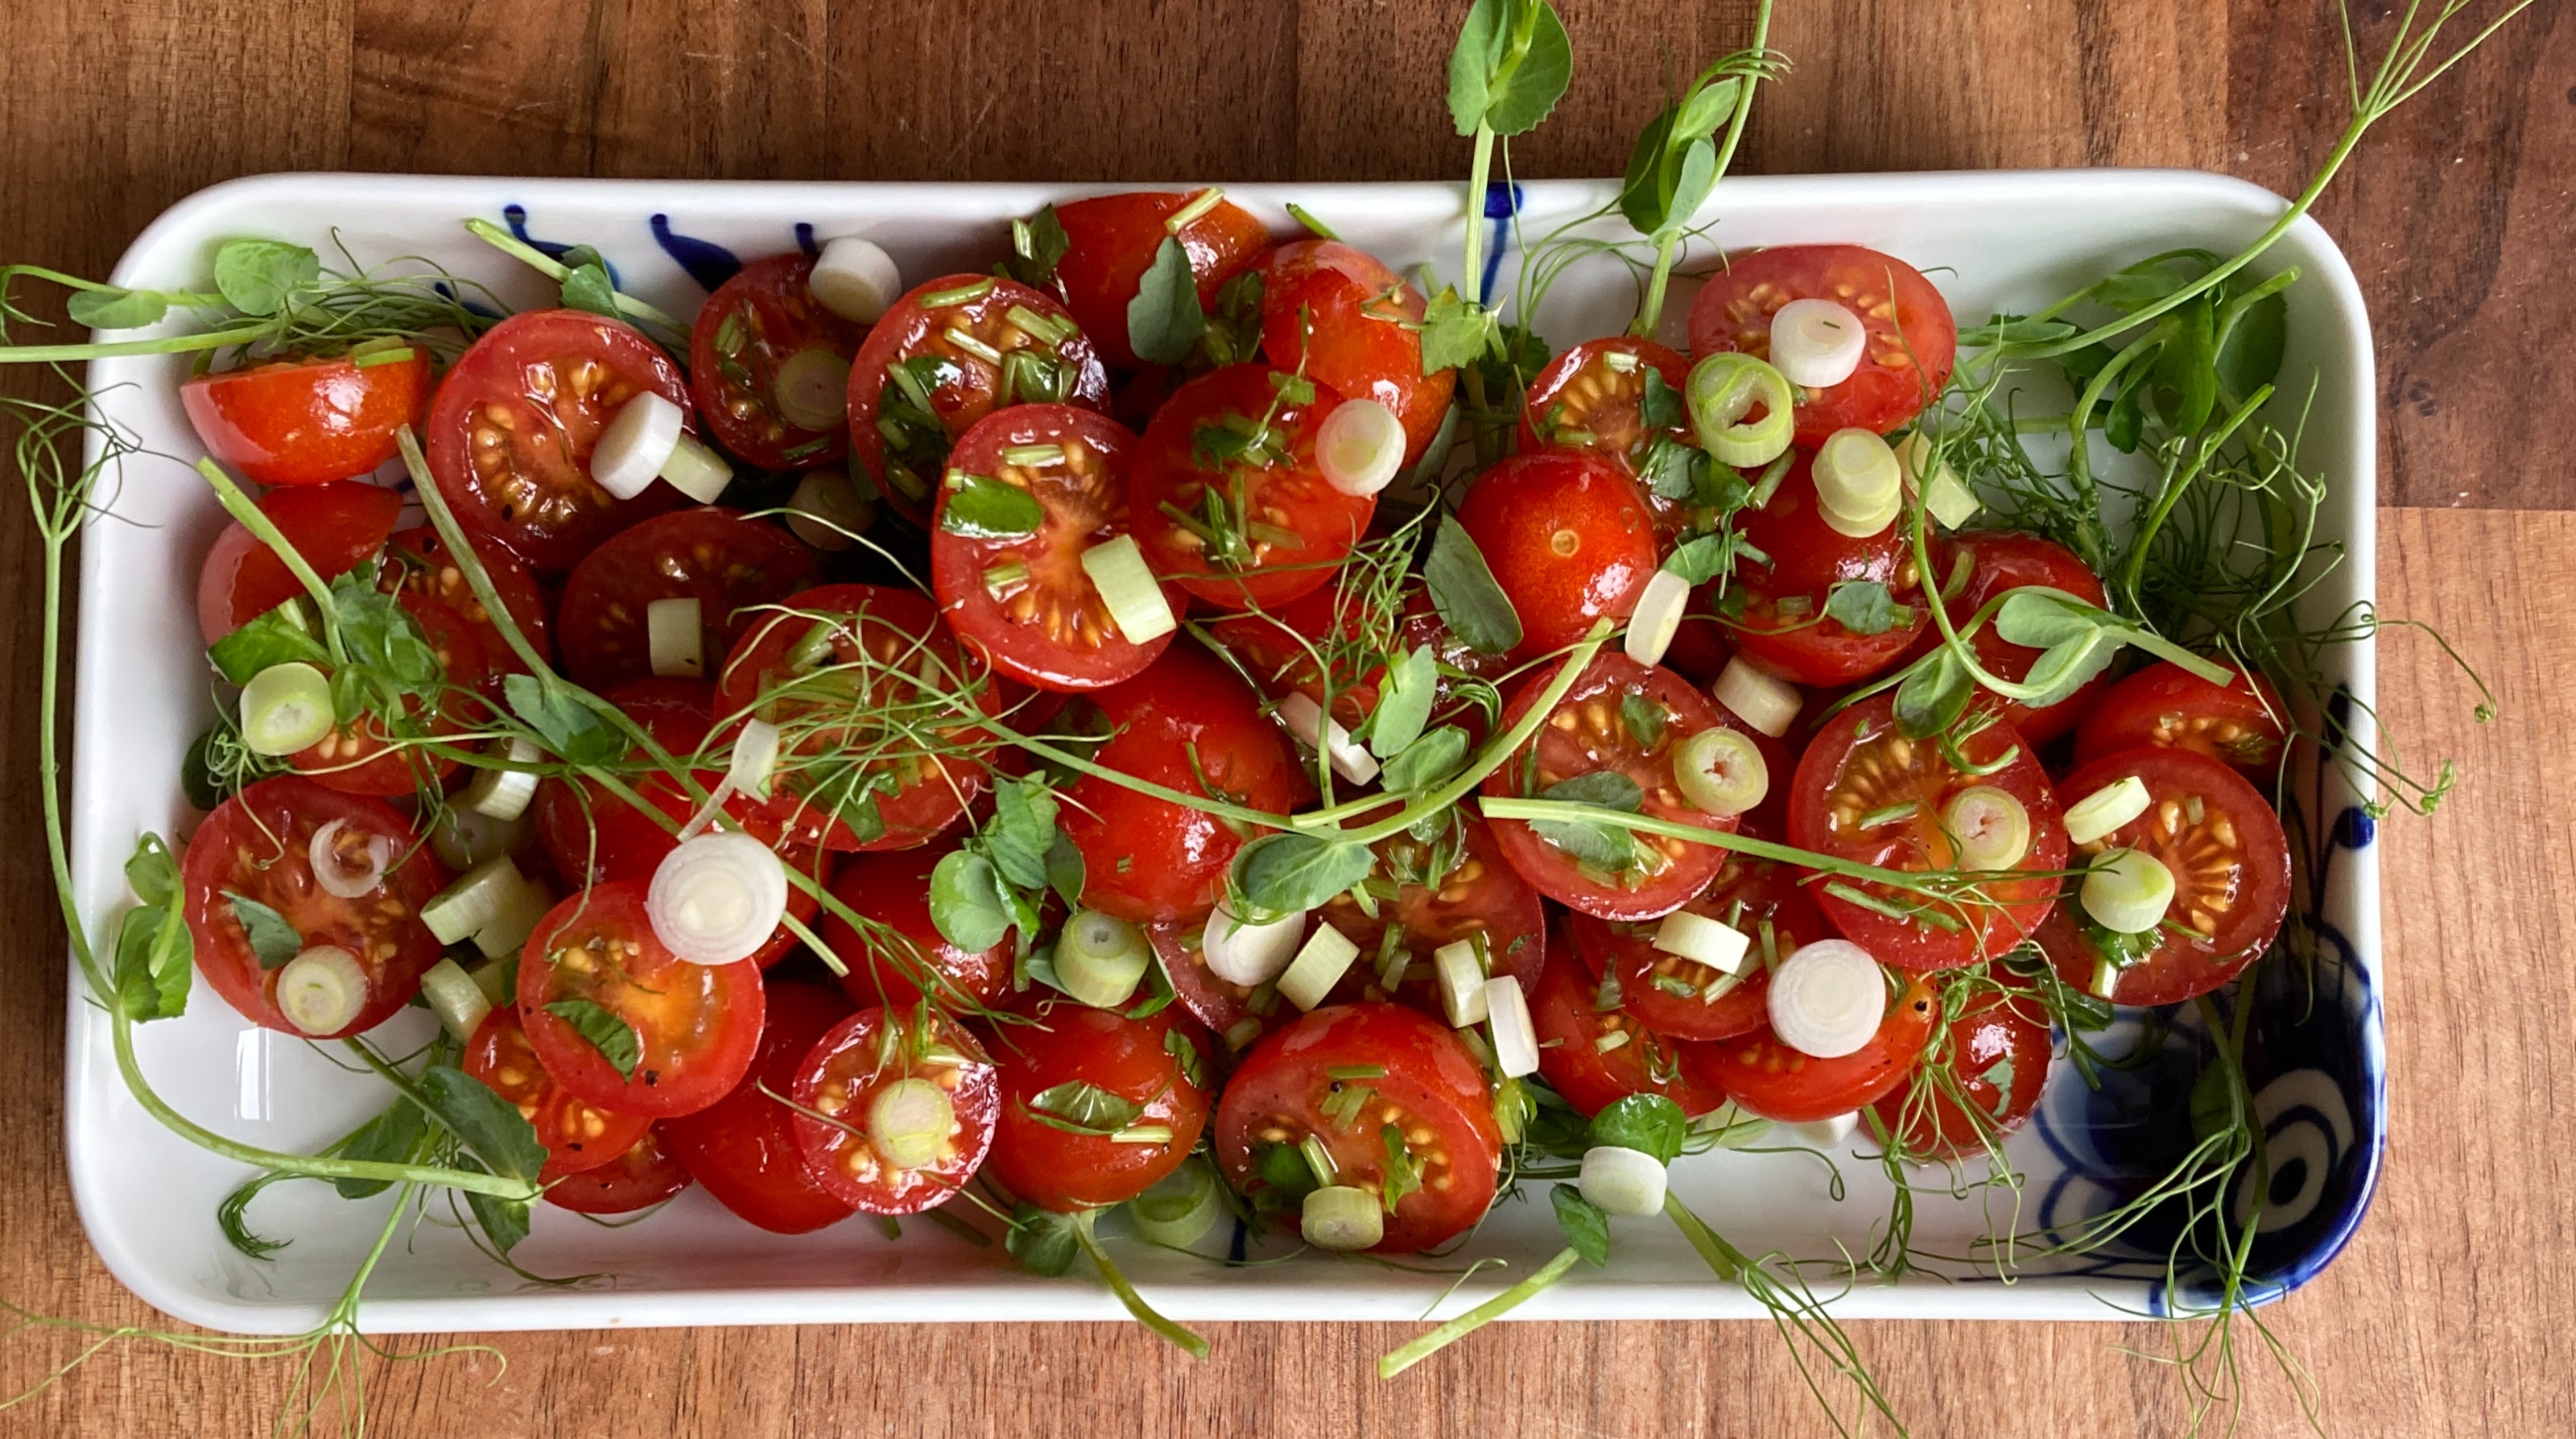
<point>2450,1314</point>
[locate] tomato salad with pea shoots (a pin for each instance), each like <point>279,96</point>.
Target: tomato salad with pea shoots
<point>1195,724</point>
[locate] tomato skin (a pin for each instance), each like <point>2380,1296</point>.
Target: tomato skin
<point>1289,495</point>
<point>1570,1027</point>
<point>2164,704</point>
<point>257,844</point>
<point>355,758</point>
<point>2231,866</point>
<point>1134,1060</point>
<point>698,1024</point>
<point>1356,338</point>
<point>1807,558</point>
<point>893,888</point>
<point>1567,537</point>
<point>1843,778</point>
<point>1112,240</point>
<point>727,563</point>
<point>641,1176</point>
<point>1147,859</point>
<point>743,1147</point>
<point>332,526</point>
<point>1745,893</point>
<point>841,1075</point>
<point>1583,401</point>
<point>1999,562</point>
<point>769,314</point>
<point>1065,640</point>
<point>1912,338</point>
<point>1996,1028</point>
<point>1429,1076</point>
<point>416,562</point>
<point>546,383</point>
<point>1767,1078</point>
<point>307,422</point>
<point>577,1135</point>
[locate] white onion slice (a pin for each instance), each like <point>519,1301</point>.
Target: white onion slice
<point>755,758</point>
<point>1658,617</point>
<point>1462,982</point>
<point>337,880</point>
<point>1624,1182</point>
<point>828,512</point>
<point>1767,703</point>
<point>1307,722</point>
<point>1250,954</point>
<point>1827,999</point>
<point>1707,941</point>
<point>2097,814</point>
<point>717,898</point>
<point>1816,342</point>
<point>855,279</point>
<point>1319,965</point>
<point>1507,1021</point>
<point>1859,485</point>
<point>321,990</point>
<point>1824,1133</point>
<point>674,639</point>
<point>813,390</point>
<point>697,471</point>
<point>636,445</point>
<point>2128,891</point>
<point>1360,447</point>
<point>455,998</point>
<point>1128,590</point>
<point>503,794</point>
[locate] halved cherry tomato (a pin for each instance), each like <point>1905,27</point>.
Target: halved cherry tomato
<point>2165,704</point>
<point>902,952</point>
<point>1111,240</point>
<point>1767,1078</point>
<point>638,1178</point>
<point>2231,869</point>
<point>1188,724</point>
<point>730,565</point>
<point>1078,1078</point>
<point>1227,500</point>
<point>308,422</point>
<point>1278,648</point>
<point>332,526</point>
<point>850,1065</point>
<point>1912,339</point>
<point>749,329</point>
<point>1567,536</point>
<point>1666,993</point>
<point>511,430</point>
<point>845,780</point>
<point>357,757</point>
<point>1996,563</point>
<point>416,561</point>
<point>1340,317</point>
<point>1784,626</point>
<point>1593,397</point>
<point>595,957</point>
<point>1407,1092</point>
<point>577,1135</point>
<point>958,368</point>
<point>1996,1053</point>
<point>1625,719</point>
<point>1595,1056</point>
<point>743,1147</point>
<point>258,845</point>
<point>1024,602</point>
<point>1868,794</point>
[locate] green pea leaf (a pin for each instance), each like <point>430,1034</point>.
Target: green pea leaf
<point>1178,1044</point>
<point>604,1031</point>
<point>1644,718</point>
<point>982,508</point>
<point>1286,872</point>
<point>1604,789</point>
<point>116,309</point>
<point>270,937</point>
<point>1043,1241</point>
<point>1464,591</point>
<point>2067,667</point>
<point>389,1138</point>
<point>587,287</point>
<point>568,726</point>
<point>1648,1123</point>
<point>1080,1107</point>
<point>1425,762</point>
<point>1404,702</point>
<point>1022,831</point>
<point>1693,178</point>
<point>1164,320</point>
<point>1064,870</point>
<point>1864,607</point>
<point>1645,195</point>
<point>1038,243</point>
<point>1403,1173</point>
<point>1934,695</point>
<point>967,902</point>
<point>2037,617</point>
<point>152,872</point>
<point>488,1124</point>
<point>275,638</point>
<point>1704,559</point>
<point>1586,1226</point>
<point>1661,407</point>
<point>2186,368</point>
<point>1454,332</point>
<point>2250,343</point>
<point>255,276</point>
<point>153,955</point>
<point>2126,421</point>
<point>504,1222</point>
<point>1706,108</point>
<point>1511,64</point>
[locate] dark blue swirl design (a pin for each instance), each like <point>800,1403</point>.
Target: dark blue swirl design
<point>515,215</point>
<point>805,238</point>
<point>708,263</point>
<point>1502,202</point>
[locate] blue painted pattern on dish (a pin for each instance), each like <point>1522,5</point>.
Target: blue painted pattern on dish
<point>708,263</point>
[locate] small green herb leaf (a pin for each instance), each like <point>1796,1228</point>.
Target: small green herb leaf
<point>1286,872</point>
<point>2040,618</point>
<point>275,638</point>
<point>490,1126</point>
<point>1935,693</point>
<point>1425,762</point>
<point>1454,332</point>
<point>611,1035</point>
<point>967,901</point>
<point>1465,592</point>
<point>1648,1123</point>
<point>1605,788</point>
<point>255,276</point>
<point>1079,1107</point>
<point>1511,64</point>
<point>1164,320</point>
<point>587,287</point>
<point>116,309</point>
<point>1644,718</point>
<point>1586,1226</point>
<point>1403,1167</point>
<point>1043,1241</point>
<point>389,1138</point>
<point>1404,701</point>
<point>270,937</point>
<point>1037,244</point>
<point>1864,607</point>
<point>568,726</point>
<point>980,507</point>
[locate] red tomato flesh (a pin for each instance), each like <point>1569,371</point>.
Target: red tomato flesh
<point>1050,1149</point>
<point>1996,564</point>
<point>1997,1054</point>
<point>1784,628</point>
<point>1111,240</point>
<point>1339,316</point>
<point>1769,1079</point>
<point>1669,994</point>
<point>1912,338</point>
<point>730,565</point>
<point>1227,501</point>
<point>743,1147</point>
<point>694,1026</point>
<point>642,1175</point>
<point>859,1058</point>
<point>2240,723</point>
<point>577,1135</point>
<point>902,953</point>
<point>332,526</point>
<point>750,328</point>
<point>1595,1056</point>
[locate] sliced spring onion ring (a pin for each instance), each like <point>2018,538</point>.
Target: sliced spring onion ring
<point>339,880</point>
<point>1950,500</point>
<point>321,990</point>
<point>1827,998</point>
<point>813,390</point>
<point>1507,1022</point>
<point>1360,447</point>
<point>697,471</point>
<point>1767,703</point>
<point>503,794</point>
<point>828,512</point>
<point>1320,964</point>
<point>1128,590</point>
<point>2128,891</point>
<point>1816,343</point>
<point>516,919</point>
<point>463,838</point>
<point>1859,485</point>
<point>674,639</point>
<point>460,911</point>
<point>1306,720</point>
<point>455,998</point>
<point>1721,771</point>
<point>1707,941</point>
<point>1724,388</point>
<point>717,897</point>
<point>1250,954</point>
<point>755,758</point>
<point>638,442</point>
<point>1991,827</point>
<point>1658,617</point>
<point>909,1120</point>
<point>284,708</point>
<point>1100,959</point>
<point>1342,1216</point>
<point>2097,814</point>
<point>1626,1183</point>
<point>493,978</point>
<point>1180,1209</point>
<point>855,279</point>
<point>1462,982</point>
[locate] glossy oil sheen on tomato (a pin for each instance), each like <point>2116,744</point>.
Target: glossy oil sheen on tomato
<point>1567,537</point>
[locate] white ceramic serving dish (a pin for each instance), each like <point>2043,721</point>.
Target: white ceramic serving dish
<point>1992,241</point>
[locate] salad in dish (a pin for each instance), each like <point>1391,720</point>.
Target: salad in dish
<point>1192,724</point>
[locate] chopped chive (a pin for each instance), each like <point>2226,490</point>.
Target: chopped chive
<point>1606,998</point>
<point>2193,810</point>
<point>1357,1071</point>
<point>1851,895</point>
<point>1048,328</point>
<point>809,449</point>
<point>1242,1032</point>
<point>1004,575</point>
<point>1615,1039</point>
<point>913,389</point>
<point>1770,946</point>
<point>1143,1134</point>
<point>1960,569</point>
<point>1033,456</point>
<point>1718,987</point>
<point>1263,999</point>
<point>1189,214</point>
<point>1890,814</point>
<point>1794,606</point>
<point>729,335</point>
<point>1319,1160</point>
<point>971,345</point>
<point>380,357</point>
<point>901,476</point>
<point>813,649</point>
<point>973,290</point>
<point>1575,437</point>
<point>1769,485</point>
<point>1623,361</point>
<point>1300,214</point>
<point>1677,988</point>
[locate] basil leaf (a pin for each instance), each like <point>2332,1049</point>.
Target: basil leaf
<point>1286,872</point>
<point>587,287</point>
<point>278,637</point>
<point>1080,1107</point>
<point>568,726</point>
<point>1464,591</point>
<point>1933,695</point>
<point>1454,332</point>
<point>1643,718</point>
<point>1864,608</point>
<point>608,1033</point>
<point>116,309</point>
<point>1601,846</point>
<point>1164,320</point>
<point>1586,1226</point>
<point>1425,762</point>
<point>1404,702</point>
<point>503,1221</point>
<point>269,935</point>
<point>1042,1241</point>
<point>255,276</point>
<point>2040,618</point>
<point>389,1138</point>
<point>1510,66</point>
<point>488,1124</point>
<point>1603,788</point>
<point>982,508</point>
<point>1647,1123</point>
<point>1037,244</point>
<point>967,903</point>
<point>1403,1173</point>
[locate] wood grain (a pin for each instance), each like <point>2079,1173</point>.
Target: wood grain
<point>2446,1316</point>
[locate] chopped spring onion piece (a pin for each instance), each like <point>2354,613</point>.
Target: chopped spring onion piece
<point>455,998</point>
<point>1360,448</point>
<point>855,279</point>
<point>2106,979</point>
<point>493,978</point>
<point>522,906</point>
<point>1241,1033</point>
<point>1462,982</point>
<point>1250,954</point>
<point>909,1121</point>
<point>1197,208</point>
<point>321,990</point>
<point>674,639</point>
<point>331,870</point>
<point>460,911</point>
<point>812,390</point>
<point>1033,457</point>
<point>1827,998</point>
<point>1991,827</point>
<point>755,756</point>
<point>503,794</point>
<point>1768,704</point>
<point>1624,1182</point>
<point>1823,1133</point>
<point>284,708</point>
<point>463,838</point>
<point>1721,771</point>
<point>1100,959</point>
<point>2128,891</point>
<point>1128,590</point>
<point>1180,1209</point>
<point>828,512</point>
<point>1319,965</point>
<point>1342,1216</point>
<point>1306,720</point>
<point>1816,343</point>
<point>1859,485</point>
<point>1699,938</point>
<point>2097,814</point>
<point>1507,1020</point>
<point>717,897</point>
<point>1724,388</point>
<point>1658,617</point>
<point>636,445</point>
<point>1950,500</point>
<point>696,471</point>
